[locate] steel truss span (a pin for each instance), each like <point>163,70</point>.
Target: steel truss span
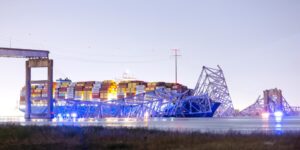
<point>212,82</point>
<point>271,103</point>
<point>159,103</point>
<point>260,107</point>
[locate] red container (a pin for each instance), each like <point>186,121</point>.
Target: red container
<point>120,96</point>
<point>36,93</point>
<point>96,91</point>
<point>105,86</point>
<point>80,83</point>
<point>79,88</point>
<point>130,94</point>
<point>63,89</point>
<point>87,89</point>
<point>96,96</point>
<point>103,90</point>
<point>44,92</point>
<point>123,85</point>
<point>176,86</point>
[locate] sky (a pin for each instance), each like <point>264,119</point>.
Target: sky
<point>256,42</point>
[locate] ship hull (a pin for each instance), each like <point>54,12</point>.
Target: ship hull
<point>214,107</point>
<point>93,111</point>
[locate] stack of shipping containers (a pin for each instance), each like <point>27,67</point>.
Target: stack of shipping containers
<point>36,94</point>
<point>61,90</point>
<point>79,90</point>
<point>140,89</point>
<point>39,94</point>
<point>178,88</point>
<point>112,91</point>
<point>108,90</point>
<point>96,91</point>
<point>168,87</point>
<point>175,87</point>
<point>151,86</point>
<point>87,91</point>
<point>160,85</point>
<point>71,91</point>
<point>133,86</point>
<point>122,89</point>
<point>45,92</point>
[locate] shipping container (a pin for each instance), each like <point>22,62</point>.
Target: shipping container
<point>79,88</point>
<point>79,95</point>
<point>120,96</point>
<point>106,90</point>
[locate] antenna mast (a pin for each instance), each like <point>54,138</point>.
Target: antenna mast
<point>175,55</point>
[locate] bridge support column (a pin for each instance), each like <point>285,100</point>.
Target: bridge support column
<point>50,90</point>
<point>39,63</point>
<point>273,101</point>
<point>28,92</point>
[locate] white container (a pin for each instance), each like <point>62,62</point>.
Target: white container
<point>73,84</point>
<point>70,96</point>
<point>70,89</point>
<point>139,92</point>
<point>95,90</point>
<point>98,82</point>
<point>140,87</point>
<point>70,92</point>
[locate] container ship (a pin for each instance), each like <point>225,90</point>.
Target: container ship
<point>65,90</point>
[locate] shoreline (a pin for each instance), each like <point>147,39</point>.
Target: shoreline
<point>75,137</point>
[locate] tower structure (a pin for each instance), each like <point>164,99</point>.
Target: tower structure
<point>212,82</point>
<point>271,102</point>
<point>176,56</point>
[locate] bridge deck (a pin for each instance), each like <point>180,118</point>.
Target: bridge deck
<point>23,53</point>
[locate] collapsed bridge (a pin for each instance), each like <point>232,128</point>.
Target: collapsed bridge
<point>271,102</point>
<point>209,98</point>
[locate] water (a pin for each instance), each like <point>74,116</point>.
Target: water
<point>219,125</point>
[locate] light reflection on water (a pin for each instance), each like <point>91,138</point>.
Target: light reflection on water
<point>277,120</point>
<point>245,124</point>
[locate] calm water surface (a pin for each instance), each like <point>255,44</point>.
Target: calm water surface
<point>240,124</point>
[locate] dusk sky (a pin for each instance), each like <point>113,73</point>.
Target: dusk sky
<point>256,42</point>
